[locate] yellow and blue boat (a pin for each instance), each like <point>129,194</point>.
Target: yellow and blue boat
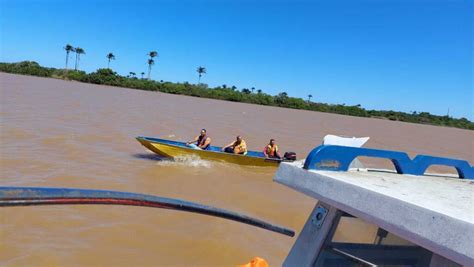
<point>173,149</point>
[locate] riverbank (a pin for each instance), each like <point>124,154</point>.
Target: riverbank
<point>245,95</point>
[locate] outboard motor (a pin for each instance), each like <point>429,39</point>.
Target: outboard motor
<point>290,156</point>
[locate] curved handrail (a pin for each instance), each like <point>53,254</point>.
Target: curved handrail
<point>338,158</point>
<point>27,196</point>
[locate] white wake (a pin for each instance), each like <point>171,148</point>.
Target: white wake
<point>188,161</point>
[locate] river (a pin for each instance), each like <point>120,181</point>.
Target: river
<point>57,133</point>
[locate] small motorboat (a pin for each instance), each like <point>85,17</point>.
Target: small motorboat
<point>173,149</point>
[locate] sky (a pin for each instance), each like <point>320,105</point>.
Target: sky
<point>403,55</point>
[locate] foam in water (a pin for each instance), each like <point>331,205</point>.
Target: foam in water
<point>188,161</point>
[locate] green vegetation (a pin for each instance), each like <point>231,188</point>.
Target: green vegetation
<point>223,92</point>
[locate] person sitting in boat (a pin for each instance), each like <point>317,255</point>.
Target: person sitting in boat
<point>237,147</point>
<point>201,142</point>
<point>271,150</point>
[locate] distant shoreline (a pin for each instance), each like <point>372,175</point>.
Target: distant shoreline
<point>109,77</point>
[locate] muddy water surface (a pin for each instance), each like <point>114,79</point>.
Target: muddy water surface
<point>56,133</point>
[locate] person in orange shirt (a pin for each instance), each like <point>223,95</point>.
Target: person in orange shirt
<point>271,150</point>
<point>237,147</point>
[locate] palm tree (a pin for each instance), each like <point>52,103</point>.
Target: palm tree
<point>142,73</point>
<point>259,91</point>
<point>69,48</point>
<point>78,51</point>
<point>309,98</point>
<point>253,89</point>
<point>201,70</point>
<point>152,54</point>
<point>150,62</point>
<point>132,74</point>
<point>110,57</point>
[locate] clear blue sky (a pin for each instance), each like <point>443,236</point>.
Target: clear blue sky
<point>402,55</point>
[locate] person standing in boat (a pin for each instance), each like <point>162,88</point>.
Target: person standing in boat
<point>201,142</point>
<point>271,150</point>
<point>237,147</point>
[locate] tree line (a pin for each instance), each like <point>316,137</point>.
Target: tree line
<point>107,76</point>
<point>110,56</point>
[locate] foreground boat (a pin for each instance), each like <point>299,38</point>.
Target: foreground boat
<point>173,149</point>
<point>369,217</point>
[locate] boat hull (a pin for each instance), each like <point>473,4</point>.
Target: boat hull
<point>173,149</point>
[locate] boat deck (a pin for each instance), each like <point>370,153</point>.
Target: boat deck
<point>435,212</point>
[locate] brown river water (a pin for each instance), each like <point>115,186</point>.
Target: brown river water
<point>58,133</point>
